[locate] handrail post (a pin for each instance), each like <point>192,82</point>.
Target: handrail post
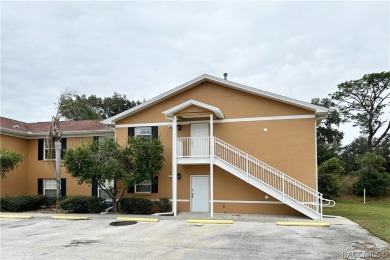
<point>247,167</point>
<point>321,206</point>
<point>283,188</point>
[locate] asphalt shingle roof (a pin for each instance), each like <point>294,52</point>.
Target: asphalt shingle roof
<point>40,127</point>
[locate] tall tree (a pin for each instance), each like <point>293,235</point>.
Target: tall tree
<point>383,149</point>
<point>9,160</point>
<point>351,153</point>
<point>54,137</point>
<point>327,132</point>
<point>76,107</point>
<point>364,102</point>
<point>81,107</point>
<point>328,136</point>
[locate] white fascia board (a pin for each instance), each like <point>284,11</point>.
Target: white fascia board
<point>273,96</point>
<point>169,113</point>
<point>317,109</point>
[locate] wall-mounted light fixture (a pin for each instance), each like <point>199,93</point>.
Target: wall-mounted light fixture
<point>179,127</point>
<point>178,176</point>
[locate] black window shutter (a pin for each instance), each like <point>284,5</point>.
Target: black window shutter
<point>130,131</point>
<point>94,188</point>
<point>40,186</point>
<point>155,185</point>
<point>155,132</point>
<point>40,149</point>
<point>63,147</point>
<point>63,187</point>
<point>131,189</point>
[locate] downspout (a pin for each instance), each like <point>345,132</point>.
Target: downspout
<point>174,166</point>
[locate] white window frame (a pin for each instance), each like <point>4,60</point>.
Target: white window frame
<point>46,150</point>
<point>144,132</point>
<point>144,183</point>
<point>52,185</point>
<point>107,184</point>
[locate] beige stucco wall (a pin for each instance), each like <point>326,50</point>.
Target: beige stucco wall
<point>24,179</point>
<point>288,145</point>
<point>15,182</point>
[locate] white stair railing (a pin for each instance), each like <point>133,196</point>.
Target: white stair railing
<point>275,179</point>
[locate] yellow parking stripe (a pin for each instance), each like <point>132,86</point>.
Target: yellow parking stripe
<point>139,219</point>
<point>210,221</point>
<point>308,224</point>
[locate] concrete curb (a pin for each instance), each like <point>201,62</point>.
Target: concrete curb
<point>210,221</point>
<point>305,224</point>
<point>16,216</point>
<point>138,219</point>
<point>71,217</point>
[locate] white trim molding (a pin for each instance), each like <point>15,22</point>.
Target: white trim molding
<point>219,121</point>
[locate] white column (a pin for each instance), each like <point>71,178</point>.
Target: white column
<point>211,166</point>
<point>316,163</point>
<point>174,166</point>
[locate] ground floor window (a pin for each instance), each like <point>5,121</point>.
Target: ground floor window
<point>102,193</point>
<point>49,187</point>
<point>143,187</point>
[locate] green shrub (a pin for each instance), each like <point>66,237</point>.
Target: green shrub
<point>372,176</point>
<point>22,203</point>
<point>51,201</point>
<point>163,205</point>
<point>136,205</point>
<point>329,173</point>
<point>83,204</point>
<point>376,184</point>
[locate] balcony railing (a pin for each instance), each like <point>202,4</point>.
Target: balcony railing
<point>193,147</point>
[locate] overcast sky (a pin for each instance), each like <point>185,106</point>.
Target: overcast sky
<point>296,49</point>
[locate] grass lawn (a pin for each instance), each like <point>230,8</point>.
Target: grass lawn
<point>374,215</point>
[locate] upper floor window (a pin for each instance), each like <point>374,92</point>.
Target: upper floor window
<point>144,132</point>
<point>49,147</point>
<point>43,149</point>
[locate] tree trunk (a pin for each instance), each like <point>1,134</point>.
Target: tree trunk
<point>57,147</point>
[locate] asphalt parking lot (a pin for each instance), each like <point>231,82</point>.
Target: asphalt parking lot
<point>253,237</point>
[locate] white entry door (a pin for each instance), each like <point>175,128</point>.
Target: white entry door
<point>199,140</point>
<point>200,193</point>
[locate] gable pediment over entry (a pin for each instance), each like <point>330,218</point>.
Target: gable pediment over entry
<point>193,108</point>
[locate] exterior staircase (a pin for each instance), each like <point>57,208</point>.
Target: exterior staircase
<point>257,173</point>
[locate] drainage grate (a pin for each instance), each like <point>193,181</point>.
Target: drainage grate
<point>123,223</point>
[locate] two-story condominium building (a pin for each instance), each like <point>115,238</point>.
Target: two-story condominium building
<point>36,174</point>
<point>227,147</point>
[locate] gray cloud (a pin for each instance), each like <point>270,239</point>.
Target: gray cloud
<point>141,49</point>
